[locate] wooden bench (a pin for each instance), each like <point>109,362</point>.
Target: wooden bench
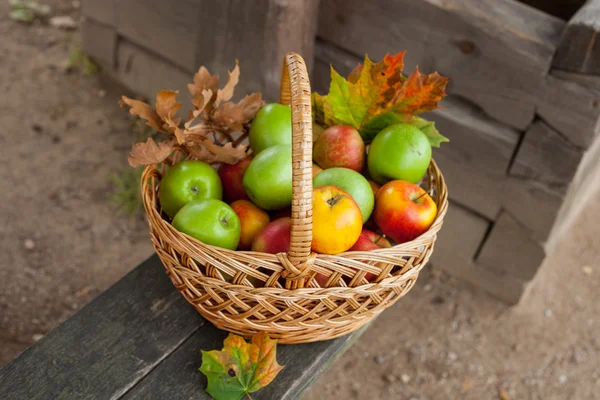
<point>140,339</point>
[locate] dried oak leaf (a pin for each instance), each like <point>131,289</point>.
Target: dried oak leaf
<point>149,152</point>
<point>226,93</point>
<point>240,367</point>
<point>167,107</point>
<point>145,112</point>
<point>206,150</point>
<point>235,115</point>
<point>204,83</point>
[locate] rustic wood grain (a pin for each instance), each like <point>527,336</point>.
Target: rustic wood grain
<point>100,10</point>
<point>258,34</point>
<point>177,377</point>
<point>99,42</point>
<point>166,28</point>
<point>109,345</point>
<point>563,9</point>
<point>509,236</point>
<point>579,50</point>
<point>496,52</point>
<point>591,82</point>
<point>147,74</point>
<point>570,108</point>
<point>546,156</point>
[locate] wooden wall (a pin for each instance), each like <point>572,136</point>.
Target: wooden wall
<point>523,106</point>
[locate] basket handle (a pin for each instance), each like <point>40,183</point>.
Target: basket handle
<point>295,92</point>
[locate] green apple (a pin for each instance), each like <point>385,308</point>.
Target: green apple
<point>352,183</point>
<point>211,221</point>
<point>186,181</point>
<point>399,152</point>
<point>268,179</point>
<point>271,126</point>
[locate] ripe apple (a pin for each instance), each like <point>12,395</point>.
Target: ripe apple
<point>399,151</point>
<point>268,179</point>
<point>340,146</point>
<point>253,220</point>
<point>367,241</point>
<point>211,221</point>
<point>232,178</point>
<point>274,238</point>
<point>352,183</point>
<point>271,126</point>
<point>337,221</point>
<point>403,210</point>
<point>186,181</point>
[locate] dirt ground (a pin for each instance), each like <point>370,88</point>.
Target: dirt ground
<point>62,243</point>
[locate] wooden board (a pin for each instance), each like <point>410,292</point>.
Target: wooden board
<point>570,108</point>
<point>100,10</point>
<point>177,377</point>
<point>591,82</point>
<point>547,157</point>
<point>511,250</point>
<point>147,74</point>
<point>141,340</point>
<point>579,50</point>
<point>563,9</point>
<point>99,42</point>
<point>166,28</point>
<point>258,34</point>
<point>496,52</point>
<point>108,346</point>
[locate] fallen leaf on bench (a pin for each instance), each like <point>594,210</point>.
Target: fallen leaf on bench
<point>240,367</point>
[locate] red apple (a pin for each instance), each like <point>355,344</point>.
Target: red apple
<point>369,240</point>
<point>340,146</point>
<point>403,211</point>
<point>232,178</point>
<point>253,220</point>
<point>274,238</point>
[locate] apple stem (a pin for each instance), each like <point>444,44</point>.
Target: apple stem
<point>418,198</point>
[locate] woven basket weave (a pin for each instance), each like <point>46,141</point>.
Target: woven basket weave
<point>245,292</point>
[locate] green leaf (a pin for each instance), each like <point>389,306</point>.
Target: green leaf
<point>240,367</point>
<point>429,129</point>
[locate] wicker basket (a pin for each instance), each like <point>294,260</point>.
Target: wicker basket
<point>245,292</point>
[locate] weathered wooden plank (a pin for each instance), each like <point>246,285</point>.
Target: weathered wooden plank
<point>147,74</point>
<point>166,28</point>
<point>511,250</point>
<point>99,42</point>
<point>109,345</point>
<point>99,10</point>
<point>570,108</point>
<point>177,377</point>
<point>579,50</point>
<point>460,238</point>
<point>258,34</point>
<point>496,52</point>
<point>591,82</point>
<point>546,156</point>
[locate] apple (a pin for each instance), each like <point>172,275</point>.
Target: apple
<point>271,126</point>
<point>232,179</point>
<point>367,241</point>
<point>399,152</point>
<point>268,179</point>
<point>403,210</point>
<point>186,181</point>
<point>340,146</point>
<point>337,220</point>
<point>274,238</point>
<point>352,183</point>
<point>253,220</point>
<point>374,187</point>
<point>211,221</point>
<point>315,170</point>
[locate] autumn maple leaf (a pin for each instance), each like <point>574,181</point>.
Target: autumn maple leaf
<point>240,367</point>
<point>376,95</point>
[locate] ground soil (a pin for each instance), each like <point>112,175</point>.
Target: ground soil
<point>62,242</point>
